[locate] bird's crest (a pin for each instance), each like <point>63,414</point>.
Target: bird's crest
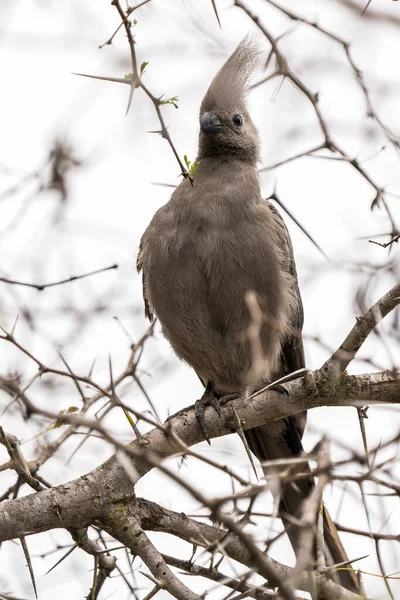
<point>229,87</point>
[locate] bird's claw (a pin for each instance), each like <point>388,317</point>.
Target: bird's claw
<point>207,399</point>
<point>229,397</point>
<point>280,389</point>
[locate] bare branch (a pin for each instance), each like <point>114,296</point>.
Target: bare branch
<point>105,562</point>
<point>42,286</point>
<point>337,364</point>
<point>126,528</point>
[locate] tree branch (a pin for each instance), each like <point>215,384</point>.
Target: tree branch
<point>110,485</point>
<point>337,364</point>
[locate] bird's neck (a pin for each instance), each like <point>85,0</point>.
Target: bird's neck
<point>225,180</point>
<point>224,167</point>
<point>223,153</point>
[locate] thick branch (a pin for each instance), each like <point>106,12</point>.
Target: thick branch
<point>80,502</point>
<point>123,524</point>
<point>90,497</point>
<point>104,562</point>
<point>155,518</point>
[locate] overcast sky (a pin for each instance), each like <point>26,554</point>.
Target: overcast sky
<point>112,196</point>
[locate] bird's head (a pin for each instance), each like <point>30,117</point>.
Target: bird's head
<point>226,128</point>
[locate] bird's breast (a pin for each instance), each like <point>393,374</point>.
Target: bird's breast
<point>198,273</point>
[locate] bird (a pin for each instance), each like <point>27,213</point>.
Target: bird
<point>215,241</point>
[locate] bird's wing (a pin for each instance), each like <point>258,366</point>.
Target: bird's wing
<point>283,440</point>
<point>139,266</point>
<point>287,441</point>
<point>293,350</point>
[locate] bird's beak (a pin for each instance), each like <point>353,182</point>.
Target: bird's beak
<point>210,123</point>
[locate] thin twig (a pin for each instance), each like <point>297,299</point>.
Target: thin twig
<point>42,286</point>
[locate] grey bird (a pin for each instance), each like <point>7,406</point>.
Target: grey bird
<point>215,241</point>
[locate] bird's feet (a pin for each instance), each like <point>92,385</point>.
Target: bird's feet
<point>210,399</point>
<point>280,389</point>
<point>207,399</point>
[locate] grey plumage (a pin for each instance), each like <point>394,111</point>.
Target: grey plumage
<point>214,241</point>
<point>208,246</point>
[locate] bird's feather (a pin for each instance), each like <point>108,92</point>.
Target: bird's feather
<point>230,85</point>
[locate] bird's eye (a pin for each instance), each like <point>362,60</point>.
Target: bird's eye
<point>237,120</point>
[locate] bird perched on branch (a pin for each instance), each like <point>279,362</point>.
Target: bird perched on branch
<point>212,244</point>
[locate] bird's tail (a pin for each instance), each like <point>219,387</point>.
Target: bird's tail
<point>282,441</point>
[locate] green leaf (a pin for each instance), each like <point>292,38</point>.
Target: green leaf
<point>173,101</point>
<point>191,167</point>
<point>130,420</point>
<point>59,422</point>
<point>143,67</point>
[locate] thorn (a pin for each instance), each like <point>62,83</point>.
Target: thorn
<point>79,446</point>
<point>341,565</point>
<point>131,91</point>
<point>280,203</point>
<point>29,563</point>
<point>216,12</point>
<point>194,550</point>
<point>365,7</point>
<point>362,414</point>
<point>112,386</point>
<point>126,332</point>
<point>103,78</point>
<point>76,382</point>
<point>62,558</point>
<point>14,326</point>
<point>92,367</point>
<point>240,432</point>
